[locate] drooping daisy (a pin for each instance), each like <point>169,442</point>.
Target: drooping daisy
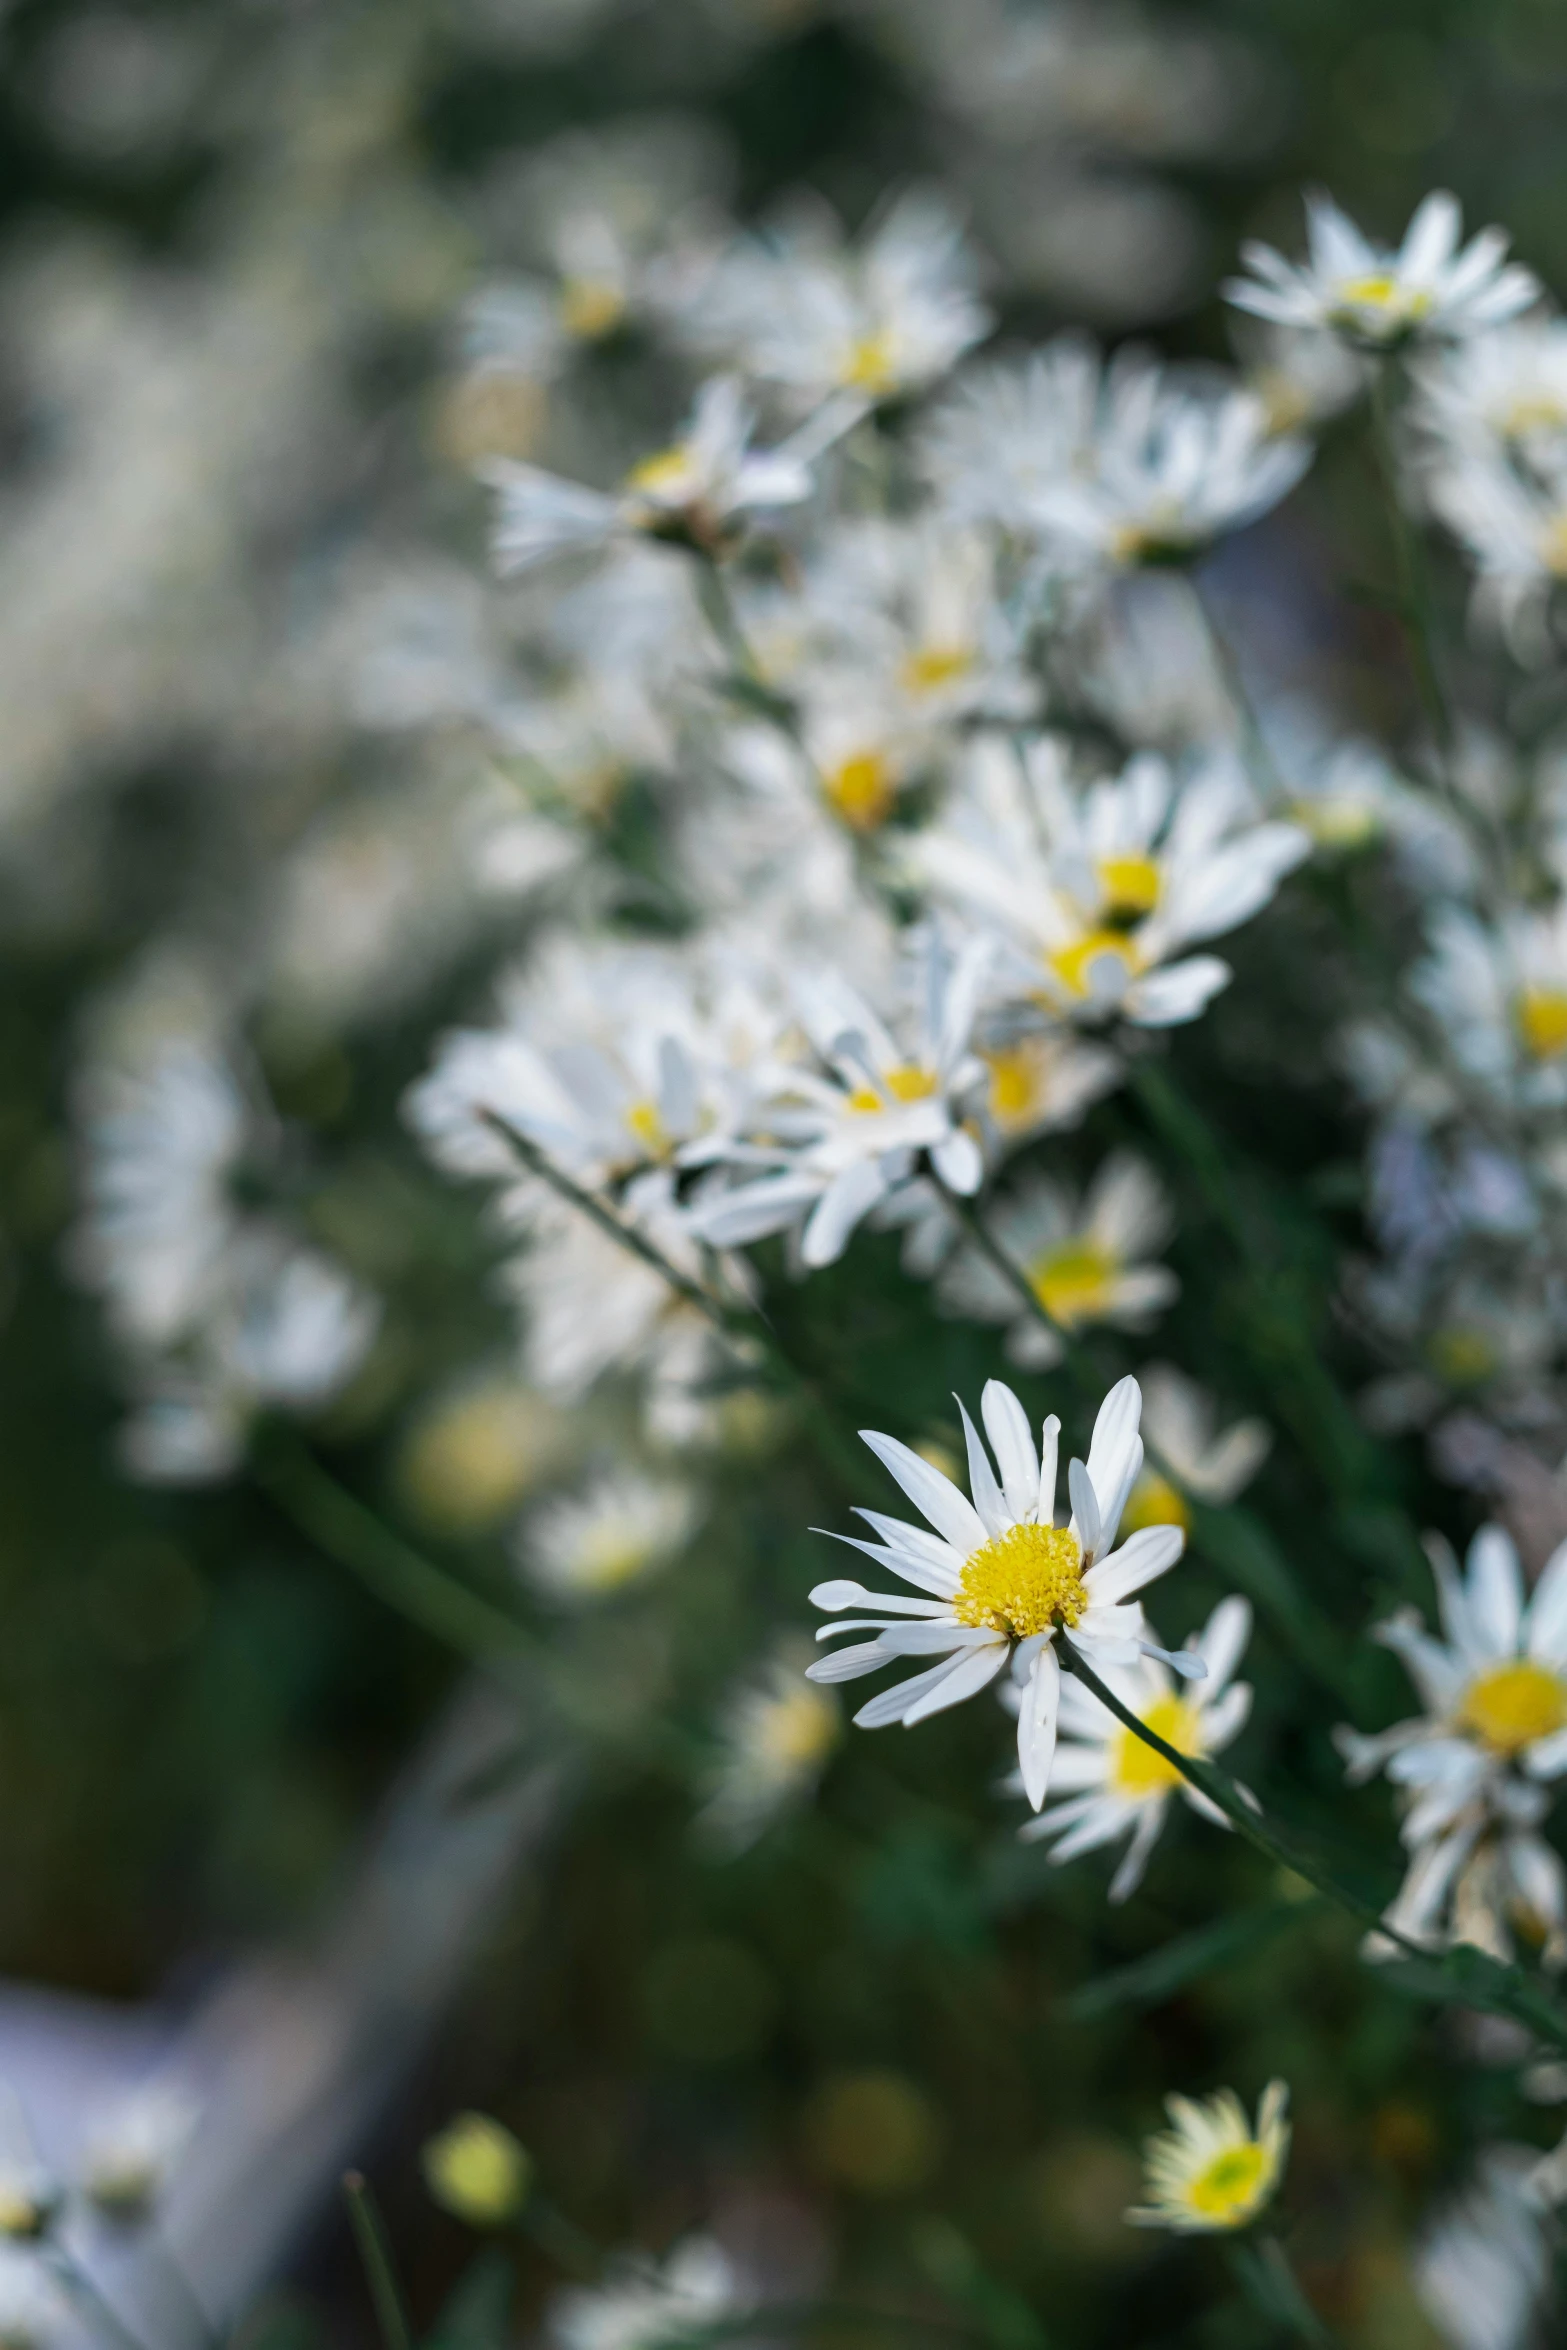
<point>1116,1786</point>
<point>1001,1580</point>
<point>1494,1689</point>
<point>1082,1259</point>
<point>1480,1874</point>
<point>1211,2171</point>
<point>1377,297</point>
<point>778,1732</point>
<point>701,489</point>
<point>622,1528</point>
<point>1192,1458</point>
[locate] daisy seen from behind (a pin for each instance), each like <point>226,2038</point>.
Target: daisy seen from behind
<point>1211,2171</point>
<point>1376,296</point>
<point>1113,1784</point>
<point>998,1580</point>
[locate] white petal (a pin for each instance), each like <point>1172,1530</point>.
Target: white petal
<point>1115,1454</point>
<point>1548,1608</point>
<point>1085,1508</point>
<point>1495,1586</point>
<point>1222,1642</point>
<point>988,1497</point>
<point>1036,1725</point>
<point>970,1673</point>
<point>1150,1552</point>
<point>1006,1424</point>
<point>933,1495</point>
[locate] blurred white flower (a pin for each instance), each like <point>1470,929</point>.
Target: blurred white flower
<point>1083,1260</point>
<point>1376,296</point>
<point>1113,1785</point>
<point>132,2150</point>
<point>1482,2266</point>
<point>1188,1455</point>
<point>1005,1579</point>
<point>1498,993</point>
<point>622,1528</point>
<point>777,1731</point>
<point>1211,2171</point>
<point>646,2304</point>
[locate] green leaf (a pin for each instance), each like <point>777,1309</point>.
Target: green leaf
<point>1188,1958</point>
<point>477,2313</point>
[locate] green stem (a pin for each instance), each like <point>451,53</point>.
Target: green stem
<point>375,2253</point>
<point>1271,2285</point>
<point>1413,581</point>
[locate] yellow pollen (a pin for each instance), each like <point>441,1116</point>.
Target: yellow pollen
<point>663,475</point>
<point>1154,1501</point>
<point>1015,1075</point>
<point>907,1083</point>
<point>590,307</point>
<point>1542,1021</point>
<point>936,665</point>
<point>1136,1771</point>
<point>648,1126</point>
<point>1513,1705</point>
<point>1023,1582</point>
<point>1553,546</point>
<point>1075,1282</point>
<point>1373,293</point>
<point>1130,885</point>
<point>861,788</point>
<point>1074,965</point>
<point>1229,2189</point>
<point>872,365</point>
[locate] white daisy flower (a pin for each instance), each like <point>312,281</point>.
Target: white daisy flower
<point>1499,993</point>
<point>1514,528</point>
<point>622,1528</point>
<point>1082,1260</point>
<point>34,2312</point>
<point>1482,1875</point>
<point>1041,1081</point>
<point>1211,2171</point>
<point>1114,1785</point>
<point>871,322</point>
<point>1503,394</point>
<point>1001,1580</point>
<point>843,1141</point>
<point>1007,431</point>
<point>1098,893</point>
<point>1194,1459</point>
<point>1302,375</point>
<point>647,2304</point>
<point>703,488</point>
<point>1494,1689</point>
<point>778,1732</point>
<point>1377,297</point>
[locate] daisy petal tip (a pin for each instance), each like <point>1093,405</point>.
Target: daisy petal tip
<point>836,1594</point>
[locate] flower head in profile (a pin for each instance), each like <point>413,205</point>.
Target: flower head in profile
<point>1211,2171</point>
<point>1376,296</point>
<point>1115,1786</point>
<point>998,1580</point>
<point>622,1528</point>
<point>778,1732</point>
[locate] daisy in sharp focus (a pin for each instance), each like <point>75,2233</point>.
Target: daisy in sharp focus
<point>1000,1580</point>
<point>1211,2171</point>
<point>1377,297</point>
<point>1113,1784</point>
<point>1083,1260</point>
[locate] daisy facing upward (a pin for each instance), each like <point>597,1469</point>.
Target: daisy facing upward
<point>1000,1580</point>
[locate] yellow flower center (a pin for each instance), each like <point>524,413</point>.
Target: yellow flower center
<point>907,1083</point>
<point>797,1729</point>
<point>1154,1501</point>
<point>1228,2190</point>
<point>1130,885</point>
<point>1534,412</point>
<point>1385,292</point>
<point>1542,1021</point>
<point>935,666</point>
<point>1023,1582</point>
<point>1014,1082</point>
<point>590,307</point>
<point>1514,1704</point>
<point>871,365</point>
<point>861,788</point>
<point>665,475</point>
<point>648,1126</point>
<point>1136,1771</point>
<point>1462,1357</point>
<point>1074,965</point>
<point>1074,1283</point>
<point>1553,546</point>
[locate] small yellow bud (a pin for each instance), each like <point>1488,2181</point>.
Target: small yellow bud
<point>477,2170</point>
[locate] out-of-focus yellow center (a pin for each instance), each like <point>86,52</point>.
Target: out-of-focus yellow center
<point>1130,885</point>
<point>797,1729</point>
<point>1227,2190</point>
<point>871,365</point>
<point>1372,293</point>
<point>665,475</point>
<point>1542,1021</point>
<point>1015,1074</point>
<point>1533,412</point>
<point>647,1125</point>
<point>934,666</point>
<point>1514,1704</point>
<point>591,306</point>
<point>1023,1581</point>
<point>1154,1501</point>
<point>861,788</point>
<point>1074,965</point>
<point>1462,1357</point>
<point>477,2169</point>
<point>1136,1771</point>
<point>907,1083</point>
<point>1553,546</point>
<point>1074,1283</point>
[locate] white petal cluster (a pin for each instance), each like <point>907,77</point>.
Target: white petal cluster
<point>1377,296</point>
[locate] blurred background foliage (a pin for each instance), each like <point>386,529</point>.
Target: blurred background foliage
<point>870,2030</point>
